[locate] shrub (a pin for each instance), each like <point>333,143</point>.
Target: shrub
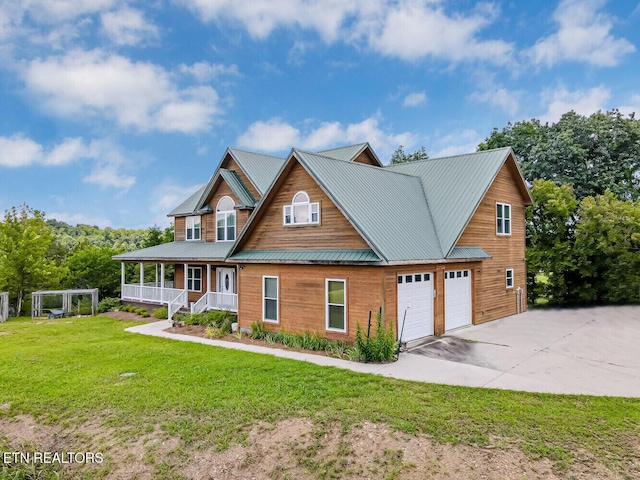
<point>214,332</point>
<point>161,313</point>
<point>218,318</point>
<point>378,348</point>
<point>108,304</point>
<point>258,331</point>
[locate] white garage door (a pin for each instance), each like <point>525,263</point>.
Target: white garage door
<point>415,296</point>
<point>457,299</point>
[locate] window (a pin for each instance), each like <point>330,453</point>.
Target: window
<point>194,279</point>
<point>301,211</point>
<point>509,277</point>
<point>336,305</point>
<point>270,299</point>
<point>225,220</point>
<point>193,228</point>
<point>503,219</point>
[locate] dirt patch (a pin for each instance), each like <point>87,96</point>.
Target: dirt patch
<point>293,448</point>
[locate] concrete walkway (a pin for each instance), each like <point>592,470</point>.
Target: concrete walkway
<point>551,351</point>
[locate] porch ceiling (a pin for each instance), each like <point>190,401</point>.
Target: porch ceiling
<point>179,252</point>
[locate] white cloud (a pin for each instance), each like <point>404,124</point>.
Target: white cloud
<point>584,102</point>
<point>128,26</point>
<point>20,151</point>
<point>135,94</point>
<point>507,100</point>
<point>165,198</point>
<point>107,168</point>
<point>79,218</point>
<point>414,99</point>
<point>48,11</point>
<point>276,135</point>
<point>205,71</point>
<point>408,29</point>
<point>633,107</point>
<point>455,143</point>
<point>583,35</point>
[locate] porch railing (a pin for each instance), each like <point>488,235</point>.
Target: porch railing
<point>216,301</point>
<point>176,304</point>
<point>149,294</point>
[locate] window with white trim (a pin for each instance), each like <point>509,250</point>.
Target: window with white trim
<point>509,277</point>
<point>193,227</point>
<point>225,220</point>
<point>194,279</point>
<point>301,211</point>
<point>270,299</point>
<point>503,219</point>
<point>336,304</point>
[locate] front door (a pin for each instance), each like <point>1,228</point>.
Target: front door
<point>226,280</point>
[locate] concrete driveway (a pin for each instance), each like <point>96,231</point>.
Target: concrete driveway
<point>590,350</point>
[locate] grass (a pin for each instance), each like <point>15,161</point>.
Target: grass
<point>70,370</point>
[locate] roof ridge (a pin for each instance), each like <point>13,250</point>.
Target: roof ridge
<point>340,148</point>
<point>446,157</point>
<point>363,165</point>
<point>234,149</point>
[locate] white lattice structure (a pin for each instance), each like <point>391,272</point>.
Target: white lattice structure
<point>67,300</point>
<point>4,306</point>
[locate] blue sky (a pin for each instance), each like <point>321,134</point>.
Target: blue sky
<point>113,112</point>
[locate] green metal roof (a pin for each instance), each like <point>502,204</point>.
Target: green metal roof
<point>460,253</point>
<point>315,256</point>
<point>189,205</point>
<point>349,153</point>
<point>387,208</point>
<point>179,251</point>
<point>454,187</point>
<point>261,169</point>
<point>239,189</point>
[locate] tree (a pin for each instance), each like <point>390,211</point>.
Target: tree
<point>24,266</point>
<point>608,245</point>
<point>90,266</point>
<point>551,266</point>
<point>400,157</point>
<point>592,153</point>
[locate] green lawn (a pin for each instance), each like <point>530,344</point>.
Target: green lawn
<point>71,370</point>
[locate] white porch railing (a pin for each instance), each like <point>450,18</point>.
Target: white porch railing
<point>216,301</point>
<point>176,304</point>
<point>167,284</point>
<point>149,294</point>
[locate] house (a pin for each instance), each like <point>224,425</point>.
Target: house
<point>316,241</point>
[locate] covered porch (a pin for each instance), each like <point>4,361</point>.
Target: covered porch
<point>201,279</point>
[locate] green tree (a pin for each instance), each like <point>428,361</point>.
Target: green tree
<point>551,264</point>
<point>90,266</point>
<point>24,266</point>
<point>608,245</point>
<point>592,153</point>
<point>399,156</point>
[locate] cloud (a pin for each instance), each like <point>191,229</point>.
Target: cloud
<point>107,168</point>
<point>135,94</point>
<point>20,151</point>
<point>128,26</point>
<point>408,29</point>
<point>455,143</point>
<point>583,35</point>
<point>205,71</point>
<point>633,107</point>
<point>507,100</point>
<point>414,99</point>
<point>276,135</point>
<point>584,102</point>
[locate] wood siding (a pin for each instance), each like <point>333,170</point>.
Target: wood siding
<point>230,164</point>
<point>178,281</point>
<point>333,232</point>
<point>209,220</point>
<point>493,300</point>
<point>179,230</point>
<point>302,296</point>
<point>366,158</point>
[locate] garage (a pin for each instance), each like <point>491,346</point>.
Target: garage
<point>457,299</point>
<point>415,297</point>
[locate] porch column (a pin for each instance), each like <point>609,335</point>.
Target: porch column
<point>156,282</point>
<point>186,270</point>
<point>141,278</point>
<point>209,278</point>
<point>162,282</point>
<point>122,280</point>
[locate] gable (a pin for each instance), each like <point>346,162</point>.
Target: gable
<point>267,231</point>
<point>221,189</point>
<point>230,164</point>
<point>366,158</point>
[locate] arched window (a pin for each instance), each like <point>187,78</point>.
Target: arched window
<point>225,220</point>
<point>301,211</point>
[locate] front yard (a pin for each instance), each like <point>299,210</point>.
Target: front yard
<point>162,408</point>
